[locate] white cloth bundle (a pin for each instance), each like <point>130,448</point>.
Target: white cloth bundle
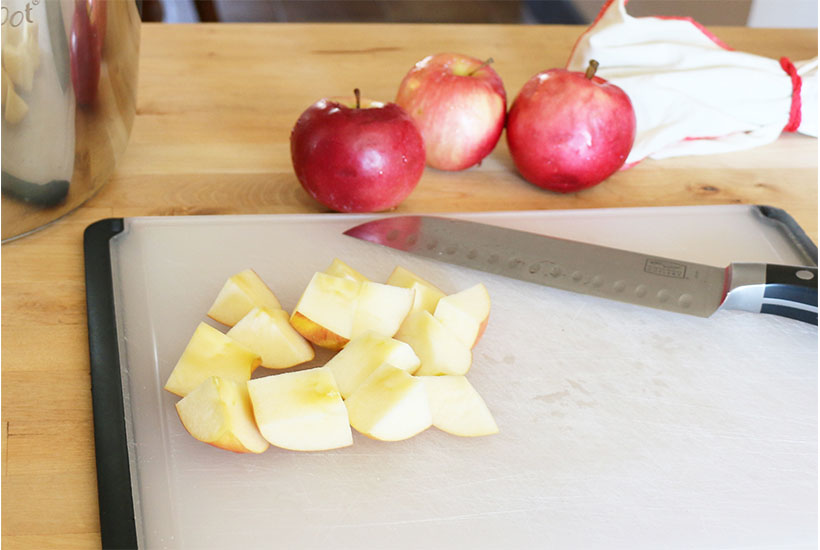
<point>693,94</point>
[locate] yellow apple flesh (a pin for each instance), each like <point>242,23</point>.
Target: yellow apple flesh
<point>363,355</point>
<point>465,313</point>
<point>338,268</point>
<point>439,350</point>
<point>240,294</point>
<point>457,407</point>
<point>427,294</point>
<point>301,411</point>
<point>211,353</point>
<point>324,313</point>
<point>218,412</point>
<point>270,334</point>
<point>390,405</point>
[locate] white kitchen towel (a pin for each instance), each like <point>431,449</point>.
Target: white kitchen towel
<point>692,93</point>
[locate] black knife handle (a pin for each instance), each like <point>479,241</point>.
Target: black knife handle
<point>787,291</point>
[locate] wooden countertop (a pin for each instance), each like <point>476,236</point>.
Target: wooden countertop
<point>215,107</point>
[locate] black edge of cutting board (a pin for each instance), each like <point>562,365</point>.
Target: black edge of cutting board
<point>117,520</point>
<point>792,229</point>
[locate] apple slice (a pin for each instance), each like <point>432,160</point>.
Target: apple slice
<point>240,294</point>
<point>332,310</point>
<point>440,351</point>
<point>427,294</point>
<point>301,411</point>
<point>218,412</point>
<point>465,313</point>
<point>324,313</point>
<point>457,407</point>
<point>381,308</point>
<point>390,405</point>
<point>269,333</point>
<point>211,353</point>
<point>340,269</point>
<point>362,355</point>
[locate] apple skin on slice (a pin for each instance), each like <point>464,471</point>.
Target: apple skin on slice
<point>457,407</point>
<point>440,351</point>
<point>362,355</point>
<point>301,410</point>
<point>390,405</point>
<point>240,294</point>
<point>427,294</point>
<point>270,334</point>
<point>465,313</point>
<point>218,412</point>
<point>211,353</point>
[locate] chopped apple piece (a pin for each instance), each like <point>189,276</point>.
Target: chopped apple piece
<point>440,351</point>
<point>363,355</point>
<point>427,294</point>
<point>240,294</point>
<point>211,353</point>
<point>465,313</point>
<point>340,269</point>
<point>218,412</point>
<point>381,308</point>
<point>268,332</point>
<point>457,407</point>
<point>332,310</point>
<point>324,313</point>
<point>390,405</point>
<point>301,411</point>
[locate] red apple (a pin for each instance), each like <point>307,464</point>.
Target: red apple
<point>570,130</point>
<point>357,155</point>
<point>88,27</point>
<point>459,104</point>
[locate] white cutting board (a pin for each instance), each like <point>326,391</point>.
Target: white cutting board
<point>620,427</point>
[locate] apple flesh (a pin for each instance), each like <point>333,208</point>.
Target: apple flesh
<point>211,353</point>
<point>440,351</point>
<point>427,294</point>
<point>363,355</point>
<point>457,407</point>
<point>301,411</point>
<point>459,104</point>
<point>465,313</point>
<point>240,294</point>
<point>338,268</point>
<point>268,332</point>
<point>357,155</point>
<point>218,412</point>
<point>568,130</point>
<point>390,405</point>
<point>332,310</point>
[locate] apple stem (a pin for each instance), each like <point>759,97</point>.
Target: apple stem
<point>358,95</point>
<point>474,71</point>
<point>593,66</point>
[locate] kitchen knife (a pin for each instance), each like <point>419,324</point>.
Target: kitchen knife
<point>661,283</point>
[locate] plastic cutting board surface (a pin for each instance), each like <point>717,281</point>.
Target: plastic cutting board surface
<point>620,426</point>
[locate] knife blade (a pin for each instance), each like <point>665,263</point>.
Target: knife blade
<point>661,283</point>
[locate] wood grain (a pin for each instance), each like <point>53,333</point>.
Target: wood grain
<point>215,106</point>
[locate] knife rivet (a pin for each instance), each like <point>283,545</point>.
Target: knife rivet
<point>577,276</point>
<point>493,259</point>
<point>555,271</point>
<point>451,250</point>
<point>515,263</point>
<point>685,300</point>
<point>432,244</point>
<point>412,239</point>
<point>805,274</point>
<point>472,254</point>
<point>534,268</point>
<point>619,286</point>
<point>597,281</point>
<point>663,296</point>
<point>640,291</point>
